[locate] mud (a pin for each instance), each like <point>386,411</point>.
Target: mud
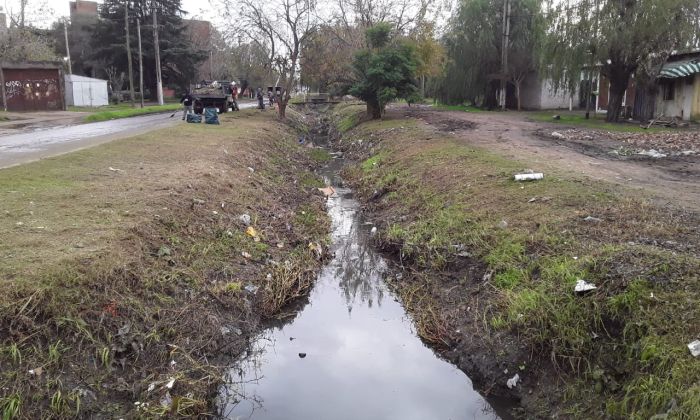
<point>671,181</point>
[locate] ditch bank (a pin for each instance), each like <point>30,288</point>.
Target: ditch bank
<point>490,265</point>
<point>132,273</point>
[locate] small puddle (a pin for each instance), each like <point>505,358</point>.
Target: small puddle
<point>352,351</point>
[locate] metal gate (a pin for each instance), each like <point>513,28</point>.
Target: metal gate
<point>33,89</point>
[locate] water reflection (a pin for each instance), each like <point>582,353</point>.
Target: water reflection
<point>362,358</point>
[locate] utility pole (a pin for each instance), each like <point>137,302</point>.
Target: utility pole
<point>591,69</point>
<point>65,32</point>
<point>138,32</point>
<point>128,52</point>
<point>156,45</point>
<point>504,53</point>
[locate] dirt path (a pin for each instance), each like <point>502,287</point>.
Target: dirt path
<point>674,181</point>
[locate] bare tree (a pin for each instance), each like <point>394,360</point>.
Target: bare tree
<point>281,27</point>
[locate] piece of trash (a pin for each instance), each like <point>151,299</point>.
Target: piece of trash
<point>317,248</point>
<point>151,387</point>
<point>592,219</point>
<point>280,245</point>
<point>36,372</point>
<point>694,348</point>
<point>251,288</point>
<point>502,224</point>
<point>292,338</point>
<point>464,254</point>
<point>529,177</point>
<point>246,255</point>
<point>302,355</point>
<point>556,117</point>
<point>244,218</point>
<point>115,169</point>
<point>251,169</point>
<point>167,400</point>
<point>225,330</point>
<point>215,213</point>
<point>558,135</point>
<point>652,153</point>
<point>170,383</point>
<point>229,233</point>
<point>19,224</point>
<point>374,230</point>
<point>198,201</point>
<point>513,382</point>
<point>251,232</point>
<point>583,286</point>
<point>327,191</point>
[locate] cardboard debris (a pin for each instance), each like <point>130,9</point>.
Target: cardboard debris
<point>328,190</point>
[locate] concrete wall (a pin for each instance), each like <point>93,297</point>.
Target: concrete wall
<point>539,94</point>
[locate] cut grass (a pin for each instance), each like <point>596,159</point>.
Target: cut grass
<point>626,339</point>
<point>114,112</point>
<point>578,119</point>
<point>463,108</point>
<point>106,276</point>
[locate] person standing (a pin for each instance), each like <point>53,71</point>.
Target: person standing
<point>261,99</point>
<point>187,102</point>
<point>234,97</point>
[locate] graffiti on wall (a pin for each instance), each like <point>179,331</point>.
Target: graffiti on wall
<point>31,89</point>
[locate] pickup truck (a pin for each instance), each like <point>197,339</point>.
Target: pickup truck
<point>215,95</point>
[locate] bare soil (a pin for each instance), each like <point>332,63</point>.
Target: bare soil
<point>673,180</point>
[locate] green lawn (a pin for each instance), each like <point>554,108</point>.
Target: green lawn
<point>464,108</point>
<point>112,112</point>
<point>578,118</point>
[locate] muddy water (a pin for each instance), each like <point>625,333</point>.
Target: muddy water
<point>352,352</point>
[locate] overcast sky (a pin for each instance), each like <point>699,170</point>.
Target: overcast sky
<point>198,9</point>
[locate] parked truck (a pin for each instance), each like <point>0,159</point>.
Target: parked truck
<point>213,95</point>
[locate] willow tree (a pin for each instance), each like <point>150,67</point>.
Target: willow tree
<point>618,36</point>
<point>474,43</point>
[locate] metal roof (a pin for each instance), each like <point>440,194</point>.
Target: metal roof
<point>683,68</point>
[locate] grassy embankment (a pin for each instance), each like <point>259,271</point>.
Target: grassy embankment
<point>113,112</point>
<point>494,263</point>
<point>124,267</point>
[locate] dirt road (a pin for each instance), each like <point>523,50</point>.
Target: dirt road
<point>672,180</point>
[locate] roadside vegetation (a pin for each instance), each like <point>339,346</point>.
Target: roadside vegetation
<point>113,112</point>
<point>491,265</point>
<point>133,273</point>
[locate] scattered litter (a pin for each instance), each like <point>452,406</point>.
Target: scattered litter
<point>556,117</point>
<point>246,255</point>
<point>229,233</point>
<point>592,219</point>
<point>529,177</point>
<point>115,169</point>
<point>487,276</point>
<point>302,355</point>
<point>225,330</point>
<point>36,372</point>
<point>652,153</point>
<point>464,254</point>
<point>170,383</point>
<point>316,247</point>
<point>251,232</point>
<point>167,400</point>
<point>374,230</point>
<point>215,213</point>
<point>19,224</point>
<point>694,348</point>
<point>327,191</point>
<point>513,382</point>
<point>280,245</point>
<point>558,135</point>
<point>292,338</point>
<point>238,331</point>
<point>502,224</point>
<point>198,201</point>
<point>244,218</point>
<point>543,199</point>
<point>251,169</point>
<point>251,288</point>
<point>151,387</point>
<point>583,286</point>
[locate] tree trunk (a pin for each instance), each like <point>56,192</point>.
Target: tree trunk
<point>645,105</point>
<point>282,110</point>
<point>517,93</point>
<point>374,110</point>
<point>619,77</point>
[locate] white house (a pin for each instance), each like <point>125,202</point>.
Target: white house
<point>85,91</point>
